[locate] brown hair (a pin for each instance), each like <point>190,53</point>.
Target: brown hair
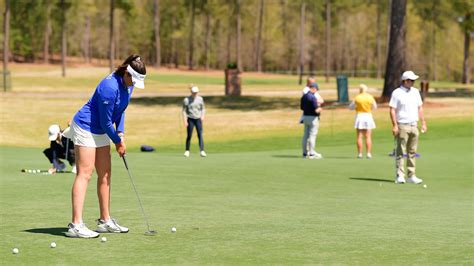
<point>135,62</point>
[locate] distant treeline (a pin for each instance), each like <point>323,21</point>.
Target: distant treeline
<point>327,36</point>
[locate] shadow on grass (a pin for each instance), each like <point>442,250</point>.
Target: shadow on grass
<point>287,156</point>
<point>55,231</point>
<point>371,179</point>
<point>244,103</point>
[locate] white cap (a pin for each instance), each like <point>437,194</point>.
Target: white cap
<point>194,89</point>
<point>409,75</point>
<point>53,132</point>
<point>137,78</point>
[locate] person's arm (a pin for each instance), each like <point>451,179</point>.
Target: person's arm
<point>352,105</point>
<point>424,128</point>
<point>203,109</point>
<point>316,106</point>
<point>121,126</point>
<point>393,117</point>
<point>183,112</point>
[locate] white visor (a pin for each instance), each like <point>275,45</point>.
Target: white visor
<point>137,78</point>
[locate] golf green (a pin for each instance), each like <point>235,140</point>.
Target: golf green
<point>262,207</point>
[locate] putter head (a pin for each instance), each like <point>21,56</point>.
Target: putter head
<point>151,233</point>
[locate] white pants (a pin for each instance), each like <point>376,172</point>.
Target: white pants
<point>311,126</point>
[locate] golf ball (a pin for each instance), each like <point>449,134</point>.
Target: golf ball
<point>425,186</point>
<point>103,239</point>
<point>15,251</point>
<point>53,245</point>
<point>173,229</point>
<point>29,171</point>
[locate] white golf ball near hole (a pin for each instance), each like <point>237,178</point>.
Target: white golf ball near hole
<point>173,229</point>
<point>103,239</point>
<point>425,186</point>
<point>53,245</point>
<point>15,251</point>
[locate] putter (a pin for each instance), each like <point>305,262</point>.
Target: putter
<point>148,232</point>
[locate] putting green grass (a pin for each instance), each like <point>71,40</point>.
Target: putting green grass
<point>260,207</point>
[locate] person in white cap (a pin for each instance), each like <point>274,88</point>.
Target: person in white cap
<point>193,115</point>
<point>98,122</point>
<point>60,147</point>
<point>364,103</point>
<point>406,109</point>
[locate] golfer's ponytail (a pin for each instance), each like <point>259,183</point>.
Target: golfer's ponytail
<point>135,62</point>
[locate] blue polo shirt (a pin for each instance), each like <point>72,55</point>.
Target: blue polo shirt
<point>309,104</point>
<point>106,108</point>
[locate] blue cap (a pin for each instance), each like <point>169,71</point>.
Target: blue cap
<point>314,85</point>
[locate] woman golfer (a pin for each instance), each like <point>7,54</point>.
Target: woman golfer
<point>193,115</point>
<point>91,130</point>
<point>364,122</point>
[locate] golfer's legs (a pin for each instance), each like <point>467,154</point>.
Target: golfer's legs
<point>199,133</point>
<point>412,145</point>
<point>103,168</point>
<point>85,166</point>
<point>368,140</point>
<point>190,133</point>
<point>402,139</point>
<point>359,140</point>
<point>305,136</point>
<point>313,131</point>
<point>49,154</point>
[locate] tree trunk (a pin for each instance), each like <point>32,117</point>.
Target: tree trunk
<point>63,38</point>
<point>111,36</point>
<point>301,68</point>
<point>239,60</point>
<point>229,36</point>
<point>191,35</point>
<point>379,41</point>
<point>314,48</point>
<point>258,45</point>
<point>466,68</point>
<point>156,20</point>
<point>6,35</point>
<point>207,43</point>
<point>396,50</point>
<point>47,32</point>
<point>217,39</point>
<point>87,39</point>
<point>285,31</point>
<point>328,38</point>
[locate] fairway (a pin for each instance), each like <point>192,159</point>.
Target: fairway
<point>267,207</point>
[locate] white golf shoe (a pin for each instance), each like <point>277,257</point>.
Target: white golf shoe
<point>400,180</point>
<point>414,180</point>
<point>203,154</point>
<point>315,156</point>
<point>186,154</point>
<point>369,156</point>
<point>80,231</point>
<point>359,156</point>
<point>110,226</point>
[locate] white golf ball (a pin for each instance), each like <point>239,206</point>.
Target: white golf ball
<point>53,245</point>
<point>103,239</point>
<point>34,171</point>
<point>425,186</point>
<point>38,171</point>
<point>29,171</point>
<point>15,251</point>
<point>173,229</point>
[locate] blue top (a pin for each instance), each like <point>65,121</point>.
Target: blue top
<point>309,104</point>
<point>106,108</point>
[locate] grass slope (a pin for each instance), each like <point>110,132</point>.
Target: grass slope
<point>252,208</point>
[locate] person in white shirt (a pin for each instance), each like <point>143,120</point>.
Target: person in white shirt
<point>406,108</point>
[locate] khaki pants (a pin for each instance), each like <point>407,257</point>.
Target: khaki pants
<point>407,143</point>
<point>311,126</point>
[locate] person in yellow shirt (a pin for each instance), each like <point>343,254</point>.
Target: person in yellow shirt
<point>364,103</point>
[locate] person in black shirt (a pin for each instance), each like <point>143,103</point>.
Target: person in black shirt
<point>60,148</point>
<point>311,112</point>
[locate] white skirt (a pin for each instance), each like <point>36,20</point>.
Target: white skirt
<point>82,137</point>
<point>364,121</point>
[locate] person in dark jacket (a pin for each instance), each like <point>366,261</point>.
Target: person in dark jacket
<point>60,148</point>
<point>311,112</point>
